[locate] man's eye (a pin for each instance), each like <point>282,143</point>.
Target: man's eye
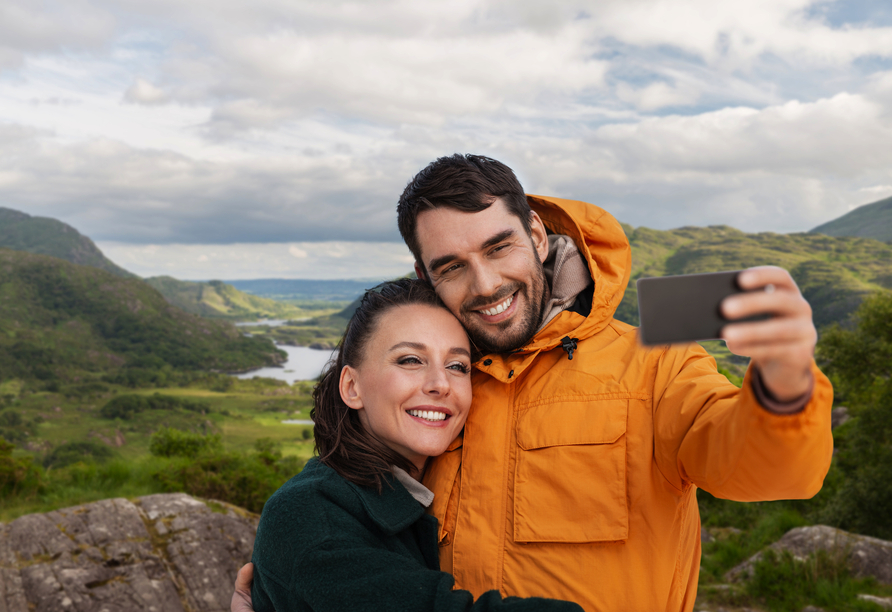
<point>451,268</point>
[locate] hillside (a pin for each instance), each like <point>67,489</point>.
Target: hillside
<point>61,320</point>
<point>45,236</point>
<point>834,273</point>
<point>217,299</point>
<point>868,221</point>
<point>302,289</point>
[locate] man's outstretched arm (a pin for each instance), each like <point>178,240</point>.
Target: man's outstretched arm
<point>241,598</point>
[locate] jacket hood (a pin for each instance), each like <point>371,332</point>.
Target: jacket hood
<point>605,249</point>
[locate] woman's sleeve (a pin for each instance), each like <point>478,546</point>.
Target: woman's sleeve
<point>345,575</point>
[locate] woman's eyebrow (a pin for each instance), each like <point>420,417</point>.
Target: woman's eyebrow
<point>418,346</point>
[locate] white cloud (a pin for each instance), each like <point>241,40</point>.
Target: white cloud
<point>245,261</point>
<point>279,122</point>
<point>143,92</point>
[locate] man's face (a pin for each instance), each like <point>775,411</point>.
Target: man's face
<point>488,272</point>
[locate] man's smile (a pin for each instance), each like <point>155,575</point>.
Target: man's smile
<point>498,309</point>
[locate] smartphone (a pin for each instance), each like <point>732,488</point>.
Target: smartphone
<point>685,308</point>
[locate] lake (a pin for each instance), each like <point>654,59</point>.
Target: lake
<point>303,363</point>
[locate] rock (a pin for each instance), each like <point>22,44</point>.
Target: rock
<point>159,553</point>
<point>864,555</point>
<point>838,416</point>
<point>705,536</point>
<point>883,602</point>
<point>813,609</point>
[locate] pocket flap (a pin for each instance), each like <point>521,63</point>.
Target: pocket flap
<point>567,423</point>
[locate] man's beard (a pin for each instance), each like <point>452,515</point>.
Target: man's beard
<point>498,338</point>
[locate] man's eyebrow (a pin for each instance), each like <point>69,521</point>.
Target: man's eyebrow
<point>492,241</point>
<point>418,346</point>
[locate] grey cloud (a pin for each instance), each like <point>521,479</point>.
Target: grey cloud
<point>110,191</point>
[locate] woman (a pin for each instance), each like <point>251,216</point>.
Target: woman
<point>350,532</point>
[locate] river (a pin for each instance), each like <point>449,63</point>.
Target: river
<point>303,363</point>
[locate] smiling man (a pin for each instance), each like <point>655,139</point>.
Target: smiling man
<point>576,474</point>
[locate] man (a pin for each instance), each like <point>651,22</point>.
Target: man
<point>577,472</point>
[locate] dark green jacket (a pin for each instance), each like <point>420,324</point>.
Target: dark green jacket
<point>326,544</point>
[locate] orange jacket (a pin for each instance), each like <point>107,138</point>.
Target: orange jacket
<point>576,479</point>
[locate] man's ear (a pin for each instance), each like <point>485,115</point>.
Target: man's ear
<point>419,271</point>
<point>349,388</point>
<point>538,235</point>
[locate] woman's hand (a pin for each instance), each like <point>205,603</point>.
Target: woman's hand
<point>241,599</point>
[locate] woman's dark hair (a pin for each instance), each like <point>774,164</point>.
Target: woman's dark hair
<point>469,183</point>
<point>342,443</point>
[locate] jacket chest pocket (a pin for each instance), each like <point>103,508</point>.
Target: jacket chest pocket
<point>570,475</point>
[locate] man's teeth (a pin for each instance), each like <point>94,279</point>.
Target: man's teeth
<point>428,415</point>
<point>500,308</point>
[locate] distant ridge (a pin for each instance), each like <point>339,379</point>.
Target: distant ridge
<point>44,236</point>
<point>868,221</point>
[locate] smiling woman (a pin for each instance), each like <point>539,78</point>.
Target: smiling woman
<point>350,531</point>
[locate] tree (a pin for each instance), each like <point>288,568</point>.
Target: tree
<point>859,361</point>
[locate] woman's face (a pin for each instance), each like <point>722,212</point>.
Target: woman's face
<point>413,387</point>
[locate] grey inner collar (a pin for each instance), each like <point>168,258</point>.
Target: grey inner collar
<point>421,493</point>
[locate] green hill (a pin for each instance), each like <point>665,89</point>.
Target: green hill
<point>59,320</point>
<point>833,273</point>
<point>45,236</point>
<point>868,221</point>
<point>217,299</point>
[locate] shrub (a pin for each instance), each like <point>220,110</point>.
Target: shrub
<point>170,442</point>
<point>125,406</point>
<point>18,475</point>
<point>72,452</point>
<point>237,478</point>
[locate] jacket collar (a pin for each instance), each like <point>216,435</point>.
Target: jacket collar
<point>394,509</point>
<point>604,247</point>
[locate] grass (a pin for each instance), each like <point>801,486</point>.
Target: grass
<point>250,410</point>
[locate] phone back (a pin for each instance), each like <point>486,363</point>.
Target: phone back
<point>683,308</point>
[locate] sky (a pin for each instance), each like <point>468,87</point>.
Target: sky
<point>225,139</point>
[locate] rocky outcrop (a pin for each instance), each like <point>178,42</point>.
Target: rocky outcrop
<point>865,556</point>
<point>159,553</point>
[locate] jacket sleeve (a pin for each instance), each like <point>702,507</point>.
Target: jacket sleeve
<point>710,433</point>
<point>351,571</point>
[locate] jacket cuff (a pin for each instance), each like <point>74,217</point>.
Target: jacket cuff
<point>771,404</point>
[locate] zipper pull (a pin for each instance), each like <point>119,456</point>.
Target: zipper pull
<point>569,345</point>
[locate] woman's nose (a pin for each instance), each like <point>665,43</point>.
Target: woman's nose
<point>437,383</point>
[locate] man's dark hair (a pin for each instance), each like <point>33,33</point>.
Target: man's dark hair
<point>469,183</point>
<point>342,443</point>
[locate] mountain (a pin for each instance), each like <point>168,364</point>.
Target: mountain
<point>217,299</point>
<point>45,236</point>
<point>868,221</point>
<point>833,273</point>
<point>62,320</point>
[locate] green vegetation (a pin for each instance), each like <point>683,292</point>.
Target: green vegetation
<point>856,496</point>
<point>859,361</point>
<point>216,299</point>
<point>107,440</point>
<point>44,236</point>
<point>62,321</point>
<point>868,221</point>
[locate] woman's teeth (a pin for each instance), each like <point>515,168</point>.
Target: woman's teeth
<point>500,308</point>
<point>428,415</point>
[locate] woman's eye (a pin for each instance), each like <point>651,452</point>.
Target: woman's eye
<point>409,361</point>
<point>460,367</point>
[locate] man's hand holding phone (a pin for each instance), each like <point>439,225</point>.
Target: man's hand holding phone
<point>783,346</point>
<point>759,312</point>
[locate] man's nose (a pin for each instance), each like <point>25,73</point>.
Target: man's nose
<point>486,280</point>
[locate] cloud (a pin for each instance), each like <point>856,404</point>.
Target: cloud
<point>143,92</point>
<point>371,260</point>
